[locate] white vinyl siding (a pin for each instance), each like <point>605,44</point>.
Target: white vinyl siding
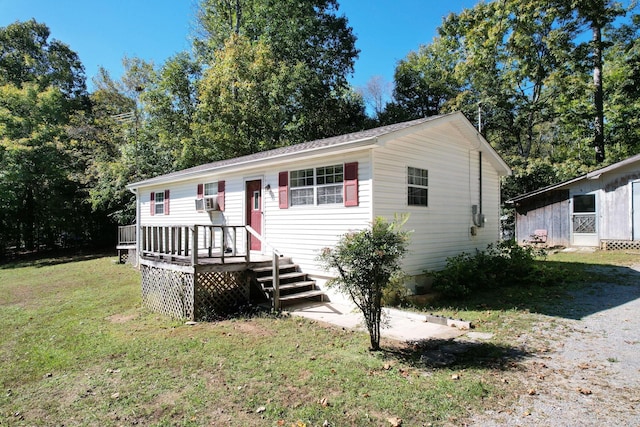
<point>442,230</point>
<point>302,231</point>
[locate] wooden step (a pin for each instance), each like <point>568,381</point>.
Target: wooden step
<point>294,285</point>
<point>283,276</point>
<point>270,268</point>
<point>300,295</point>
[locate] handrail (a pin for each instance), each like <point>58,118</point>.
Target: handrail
<point>275,265</point>
<point>264,241</point>
<point>127,234</point>
<point>185,242</point>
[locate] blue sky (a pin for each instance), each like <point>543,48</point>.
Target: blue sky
<point>103,32</point>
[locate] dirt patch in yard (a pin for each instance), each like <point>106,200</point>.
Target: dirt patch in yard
<point>585,364</point>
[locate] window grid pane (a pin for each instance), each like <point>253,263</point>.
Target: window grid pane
<point>301,178</point>
<point>418,177</point>
<point>211,189</point>
<point>330,175</point>
<point>417,196</point>
<point>301,196</point>
<point>330,194</point>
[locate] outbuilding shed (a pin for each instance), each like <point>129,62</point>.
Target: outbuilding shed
<point>598,209</point>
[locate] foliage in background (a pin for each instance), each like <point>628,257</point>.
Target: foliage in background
<point>366,262</point>
<point>43,190</point>
<point>530,68</point>
<point>501,265</point>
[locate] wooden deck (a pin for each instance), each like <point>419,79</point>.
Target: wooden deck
<point>190,270</point>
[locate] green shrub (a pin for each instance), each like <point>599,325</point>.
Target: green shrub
<point>502,264</point>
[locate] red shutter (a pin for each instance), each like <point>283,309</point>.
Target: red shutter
<point>152,199</point>
<point>221,195</point>
<point>166,202</point>
<point>283,189</point>
<point>351,184</point>
<point>200,191</point>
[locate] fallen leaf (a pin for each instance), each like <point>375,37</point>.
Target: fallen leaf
<point>395,421</point>
<point>532,392</point>
<point>584,366</point>
<point>280,422</point>
<point>324,402</point>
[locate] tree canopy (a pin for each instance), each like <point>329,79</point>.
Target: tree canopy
<point>556,84</point>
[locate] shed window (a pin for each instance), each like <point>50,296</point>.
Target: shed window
<point>418,186</point>
<point>584,203</point>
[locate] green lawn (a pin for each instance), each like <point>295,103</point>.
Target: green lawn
<point>77,349</point>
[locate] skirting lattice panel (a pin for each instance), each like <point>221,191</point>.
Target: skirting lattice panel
<point>620,245</point>
<point>167,291</point>
<point>213,294</point>
<point>219,293</point>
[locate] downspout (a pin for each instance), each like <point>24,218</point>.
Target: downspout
<point>480,187</point>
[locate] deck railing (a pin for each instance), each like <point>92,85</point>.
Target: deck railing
<point>127,235</point>
<point>189,243</point>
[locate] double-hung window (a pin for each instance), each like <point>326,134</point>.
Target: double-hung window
<point>329,181</point>
<point>320,186</point>
<point>418,186</point>
<point>159,203</point>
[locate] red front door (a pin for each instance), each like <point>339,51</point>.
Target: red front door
<point>254,210</point>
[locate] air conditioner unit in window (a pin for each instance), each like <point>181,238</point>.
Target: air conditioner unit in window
<point>211,204</point>
<point>207,204</point>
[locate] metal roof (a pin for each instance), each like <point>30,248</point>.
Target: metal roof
<point>595,174</point>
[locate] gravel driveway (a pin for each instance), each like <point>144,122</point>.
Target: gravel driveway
<point>589,371</point>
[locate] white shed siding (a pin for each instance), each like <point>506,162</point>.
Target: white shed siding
<point>616,201</point>
<point>302,231</point>
<point>442,229</point>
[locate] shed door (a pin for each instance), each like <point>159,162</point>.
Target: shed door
<point>636,210</point>
<point>254,211</point>
<point>584,228</point>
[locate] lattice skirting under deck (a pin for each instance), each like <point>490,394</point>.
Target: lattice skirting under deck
<point>167,291</point>
<point>219,293</point>
<point>200,296</point>
<point>619,245</point>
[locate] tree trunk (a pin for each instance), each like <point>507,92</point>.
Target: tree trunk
<point>598,96</point>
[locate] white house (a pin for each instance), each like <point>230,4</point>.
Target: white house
<point>302,198</point>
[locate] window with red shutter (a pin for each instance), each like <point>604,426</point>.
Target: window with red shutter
<point>351,184</point>
<point>221,195</point>
<point>283,190</point>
